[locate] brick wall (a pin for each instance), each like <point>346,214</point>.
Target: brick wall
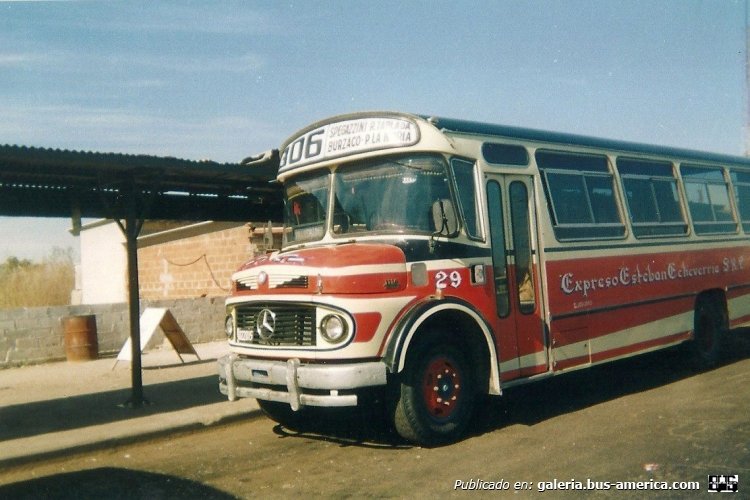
<point>198,265</point>
<point>195,260</point>
<point>36,335</point>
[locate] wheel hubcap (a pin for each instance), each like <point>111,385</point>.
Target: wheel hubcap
<point>442,387</point>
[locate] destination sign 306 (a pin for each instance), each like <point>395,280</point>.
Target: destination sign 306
<point>348,137</point>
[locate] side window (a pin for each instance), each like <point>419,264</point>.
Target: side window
<point>741,181</point>
<point>499,257</point>
<point>306,208</point>
<point>505,154</point>
<point>708,199</point>
<point>463,173</point>
<point>519,216</point>
<point>580,193</point>
<point>652,197</point>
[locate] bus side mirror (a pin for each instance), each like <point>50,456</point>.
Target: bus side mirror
<point>444,217</point>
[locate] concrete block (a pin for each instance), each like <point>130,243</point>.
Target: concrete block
<point>7,325</point>
<point>13,314</point>
<point>5,346</point>
<point>28,323</point>
<point>27,343</point>
<point>52,341</point>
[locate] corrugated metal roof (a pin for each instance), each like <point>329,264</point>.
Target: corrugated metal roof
<point>52,182</point>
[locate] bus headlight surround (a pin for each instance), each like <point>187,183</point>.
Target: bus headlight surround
<point>334,328</point>
<point>229,326</point>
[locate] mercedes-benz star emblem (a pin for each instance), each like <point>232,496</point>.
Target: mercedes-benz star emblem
<point>265,324</point>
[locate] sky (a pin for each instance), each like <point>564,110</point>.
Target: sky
<point>226,80</point>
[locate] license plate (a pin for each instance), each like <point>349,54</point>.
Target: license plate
<point>244,335</point>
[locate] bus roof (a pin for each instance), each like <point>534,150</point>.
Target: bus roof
<point>479,128</point>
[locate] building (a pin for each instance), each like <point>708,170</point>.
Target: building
<point>175,261</point>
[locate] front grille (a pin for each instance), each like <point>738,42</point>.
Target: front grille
<point>293,324</point>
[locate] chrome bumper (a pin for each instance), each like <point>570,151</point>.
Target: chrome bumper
<point>296,377</point>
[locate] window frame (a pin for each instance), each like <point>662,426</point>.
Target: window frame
<point>672,180</point>
<point>498,246</point>
<point>504,151</point>
<point>740,207</point>
<point>457,194</point>
<point>703,227</point>
<point>583,173</point>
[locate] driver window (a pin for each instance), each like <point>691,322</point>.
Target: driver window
<point>463,173</point>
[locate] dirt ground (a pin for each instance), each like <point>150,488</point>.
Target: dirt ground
<point>648,419</point>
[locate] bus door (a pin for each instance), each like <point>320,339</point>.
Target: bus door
<point>515,263</point>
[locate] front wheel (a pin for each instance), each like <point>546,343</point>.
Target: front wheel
<point>435,397</point>
<point>283,413</point>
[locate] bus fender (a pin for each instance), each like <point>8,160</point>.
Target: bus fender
<point>407,327</point>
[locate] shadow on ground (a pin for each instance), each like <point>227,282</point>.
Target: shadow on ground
<point>31,419</point>
<point>534,403</point>
<point>524,405</point>
<point>110,483</point>
<point>364,426</point>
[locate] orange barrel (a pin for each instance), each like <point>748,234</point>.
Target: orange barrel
<point>81,342</point>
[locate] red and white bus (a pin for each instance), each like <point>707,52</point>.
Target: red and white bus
<point>447,259</point>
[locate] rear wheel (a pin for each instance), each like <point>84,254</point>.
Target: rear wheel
<point>709,333</point>
<point>435,397</point>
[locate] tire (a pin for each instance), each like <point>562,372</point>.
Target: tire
<point>283,414</point>
<point>435,396</point>
<point>707,345</point>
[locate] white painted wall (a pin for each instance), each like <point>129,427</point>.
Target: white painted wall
<point>104,263</point>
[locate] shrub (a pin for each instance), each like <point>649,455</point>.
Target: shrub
<point>24,283</point>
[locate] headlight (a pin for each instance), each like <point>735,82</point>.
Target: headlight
<point>333,328</point>
<point>229,326</point>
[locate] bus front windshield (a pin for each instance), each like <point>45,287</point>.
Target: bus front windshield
<point>391,195</point>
